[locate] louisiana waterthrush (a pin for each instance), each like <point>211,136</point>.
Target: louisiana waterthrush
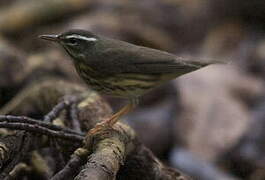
<point>119,68</point>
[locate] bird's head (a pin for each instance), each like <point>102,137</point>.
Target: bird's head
<point>75,42</point>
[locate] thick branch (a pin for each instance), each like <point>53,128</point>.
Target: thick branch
<point>109,153</point>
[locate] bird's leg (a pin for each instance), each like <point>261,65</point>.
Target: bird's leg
<point>115,117</point>
<point>126,109</point>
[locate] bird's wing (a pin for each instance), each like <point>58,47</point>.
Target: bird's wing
<point>167,63</point>
<point>138,59</point>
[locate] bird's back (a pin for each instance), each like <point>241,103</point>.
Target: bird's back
<point>123,57</point>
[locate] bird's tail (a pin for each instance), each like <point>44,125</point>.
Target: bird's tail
<point>202,62</point>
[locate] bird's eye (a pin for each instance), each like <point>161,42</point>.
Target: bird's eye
<point>72,41</point>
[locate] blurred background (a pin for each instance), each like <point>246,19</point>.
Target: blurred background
<point>209,123</point>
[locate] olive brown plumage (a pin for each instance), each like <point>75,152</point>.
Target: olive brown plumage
<point>119,68</point>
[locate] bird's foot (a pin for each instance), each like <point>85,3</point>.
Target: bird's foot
<point>109,123</point>
<point>99,128</point>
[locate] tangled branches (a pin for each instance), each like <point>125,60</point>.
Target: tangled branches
<point>56,147</point>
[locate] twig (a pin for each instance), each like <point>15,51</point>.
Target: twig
<point>39,123</point>
<point>54,113</point>
<point>57,109</point>
<point>71,168</point>
<point>74,117</point>
<point>42,130</point>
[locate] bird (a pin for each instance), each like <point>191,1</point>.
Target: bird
<point>118,68</point>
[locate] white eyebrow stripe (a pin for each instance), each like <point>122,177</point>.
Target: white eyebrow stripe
<point>82,37</point>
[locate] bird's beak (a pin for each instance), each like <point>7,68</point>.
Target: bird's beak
<point>50,37</point>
